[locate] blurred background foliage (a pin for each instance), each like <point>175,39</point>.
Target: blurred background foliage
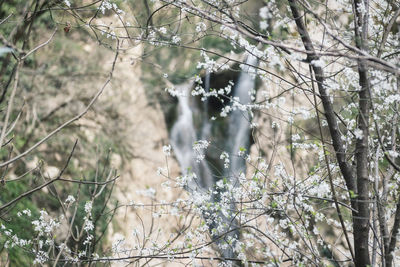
<point>56,83</point>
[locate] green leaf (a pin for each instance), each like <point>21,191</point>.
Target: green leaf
<point>352,194</point>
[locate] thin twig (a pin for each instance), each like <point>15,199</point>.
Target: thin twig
<point>23,195</point>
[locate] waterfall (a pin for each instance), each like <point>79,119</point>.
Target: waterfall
<point>239,120</point>
<point>183,136</point>
<point>238,139</point>
<point>206,124</point>
<point>183,133</point>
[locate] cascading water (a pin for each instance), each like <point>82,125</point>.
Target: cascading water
<point>206,125</point>
<point>238,140</point>
<point>183,136</point>
<point>239,119</point>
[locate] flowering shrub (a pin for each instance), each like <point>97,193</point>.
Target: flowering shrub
<point>318,186</point>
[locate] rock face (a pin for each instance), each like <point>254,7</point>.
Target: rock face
<point>139,185</point>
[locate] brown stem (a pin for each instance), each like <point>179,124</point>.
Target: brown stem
<point>361,222</point>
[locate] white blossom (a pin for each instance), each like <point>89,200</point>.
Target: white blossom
<point>167,150</point>
<point>67,3</point>
<point>358,133</point>
<point>70,199</point>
